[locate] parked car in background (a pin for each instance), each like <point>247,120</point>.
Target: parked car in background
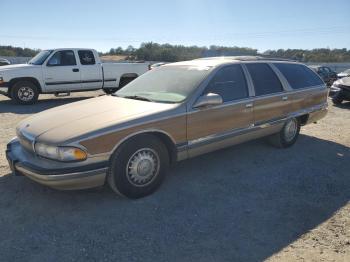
<point>174,112</point>
<point>345,73</point>
<point>327,74</point>
<point>4,62</point>
<point>341,90</point>
<point>61,71</point>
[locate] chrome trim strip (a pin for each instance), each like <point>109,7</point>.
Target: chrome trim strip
<point>281,77</point>
<point>59,177</point>
<point>221,136</point>
<point>240,131</point>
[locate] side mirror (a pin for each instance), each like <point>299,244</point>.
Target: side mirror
<point>210,99</point>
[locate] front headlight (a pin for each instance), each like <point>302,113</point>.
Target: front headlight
<point>60,153</point>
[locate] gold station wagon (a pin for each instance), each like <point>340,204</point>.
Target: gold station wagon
<point>173,112</point>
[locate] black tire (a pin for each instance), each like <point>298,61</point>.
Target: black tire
<point>120,177</point>
<point>109,91</point>
<point>24,93</point>
<point>337,99</point>
<point>281,139</point>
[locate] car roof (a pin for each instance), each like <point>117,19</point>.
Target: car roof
<point>216,61</point>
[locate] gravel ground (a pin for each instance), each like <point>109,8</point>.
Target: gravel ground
<point>251,202</point>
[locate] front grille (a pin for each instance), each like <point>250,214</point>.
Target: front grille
<point>26,141</point>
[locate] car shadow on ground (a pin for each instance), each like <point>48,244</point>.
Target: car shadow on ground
<point>244,203</point>
<point>7,106</point>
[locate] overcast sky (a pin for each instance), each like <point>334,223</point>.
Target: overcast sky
<point>105,23</point>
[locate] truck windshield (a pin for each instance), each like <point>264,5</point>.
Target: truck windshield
<point>167,84</point>
<point>40,58</point>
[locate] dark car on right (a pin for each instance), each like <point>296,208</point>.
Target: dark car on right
<point>327,74</point>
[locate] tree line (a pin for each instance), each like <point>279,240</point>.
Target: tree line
<point>171,53</point>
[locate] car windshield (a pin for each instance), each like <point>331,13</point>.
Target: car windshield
<point>40,58</point>
<point>166,84</point>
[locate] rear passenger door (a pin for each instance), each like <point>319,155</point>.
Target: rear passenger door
<point>271,103</point>
<point>204,125</point>
<point>91,71</point>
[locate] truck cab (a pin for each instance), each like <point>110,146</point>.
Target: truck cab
<point>65,70</point>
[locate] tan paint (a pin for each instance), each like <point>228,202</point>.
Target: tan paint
<point>219,119</point>
<point>175,127</point>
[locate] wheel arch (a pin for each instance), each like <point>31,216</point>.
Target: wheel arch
<point>163,136</point>
<point>31,79</point>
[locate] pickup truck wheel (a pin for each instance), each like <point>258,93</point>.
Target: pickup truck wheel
<point>125,80</point>
<point>288,135</point>
<point>138,166</point>
<point>24,92</point>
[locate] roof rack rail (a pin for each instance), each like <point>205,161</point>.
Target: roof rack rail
<point>247,58</point>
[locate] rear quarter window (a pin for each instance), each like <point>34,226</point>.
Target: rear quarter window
<point>86,57</point>
<point>299,76</point>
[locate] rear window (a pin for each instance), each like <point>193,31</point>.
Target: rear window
<point>299,76</point>
<point>86,57</point>
<point>264,79</point>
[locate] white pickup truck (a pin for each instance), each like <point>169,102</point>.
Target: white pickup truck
<point>61,71</point>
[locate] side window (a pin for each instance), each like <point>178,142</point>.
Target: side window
<point>229,82</point>
<point>62,58</point>
<point>86,57</point>
<point>264,79</point>
<point>299,76</point>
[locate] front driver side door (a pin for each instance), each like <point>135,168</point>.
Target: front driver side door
<point>212,125</point>
<point>61,72</point>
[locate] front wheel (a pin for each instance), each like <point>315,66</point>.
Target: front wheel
<point>288,135</point>
<point>138,166</point>
<point>24,92</point>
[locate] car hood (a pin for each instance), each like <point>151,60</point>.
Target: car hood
<point>69,122</point>
<point>15,67</point>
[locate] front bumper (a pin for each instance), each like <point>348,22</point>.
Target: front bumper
<point>63,176</point>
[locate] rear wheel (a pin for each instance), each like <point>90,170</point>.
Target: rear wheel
<point>288,135</point>
<point>24,92</point>
<point>125,80</point>
<point>138,166</point>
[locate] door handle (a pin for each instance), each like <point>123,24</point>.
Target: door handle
<point>250,105</point>
<point>285,98</point>
<point>75,70</point>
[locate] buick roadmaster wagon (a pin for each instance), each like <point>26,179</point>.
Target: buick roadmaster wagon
<point>174,112</point>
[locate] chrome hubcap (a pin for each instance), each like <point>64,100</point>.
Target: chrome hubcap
<point>143,167</point>
<point>25,93</point>
<point>290,130</point>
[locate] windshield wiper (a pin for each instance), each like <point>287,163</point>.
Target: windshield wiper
<point>142,98</point>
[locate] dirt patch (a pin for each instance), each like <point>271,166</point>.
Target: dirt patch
<point>251,202</point>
